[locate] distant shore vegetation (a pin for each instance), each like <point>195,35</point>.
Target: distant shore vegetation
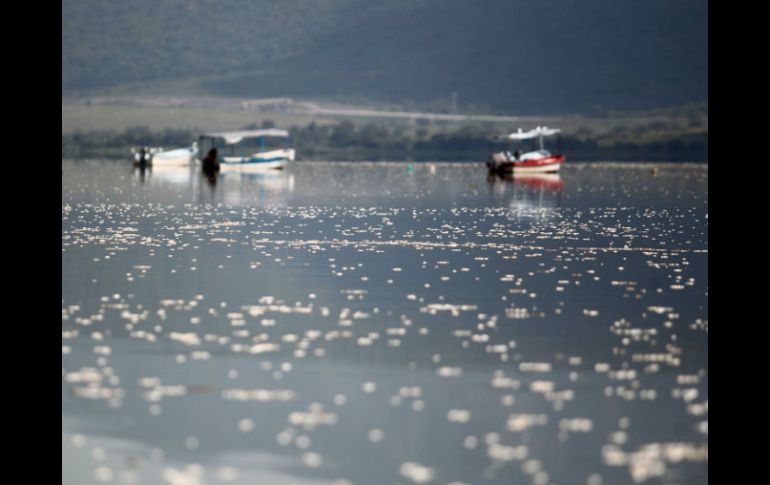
<point>347,140</point>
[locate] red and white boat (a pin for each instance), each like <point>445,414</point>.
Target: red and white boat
<point>534,161</point>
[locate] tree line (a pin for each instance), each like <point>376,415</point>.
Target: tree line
<point>349,141</point>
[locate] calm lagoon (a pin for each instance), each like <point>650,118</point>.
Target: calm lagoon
<point>356,323</point>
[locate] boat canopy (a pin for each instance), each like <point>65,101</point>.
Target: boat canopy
<point>534,133</point>
<point>233,137</point>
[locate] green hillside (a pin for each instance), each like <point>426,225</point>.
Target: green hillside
<point>502,56</point>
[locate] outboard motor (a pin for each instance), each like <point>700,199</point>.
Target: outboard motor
<point>495,160</point>
<point>142,157</point>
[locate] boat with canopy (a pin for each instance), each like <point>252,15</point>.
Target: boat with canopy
<point>536,159</point>
<point>247,150</point>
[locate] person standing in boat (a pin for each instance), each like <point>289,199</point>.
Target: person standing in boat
<point>211,167</point>
<point>143,157</point>
<point>210,163</point>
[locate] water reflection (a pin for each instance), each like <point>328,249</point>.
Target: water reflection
<point>268,187</point>
<point>165,176</point>
<point>530,191</point>
<point>335,323</point>
<point>265,188</point>
<point>140,172</point>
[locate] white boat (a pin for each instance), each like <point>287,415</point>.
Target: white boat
<point>248,150</point>
<point>166,158</point>
<point>175,158</point>
<point>537,160</point>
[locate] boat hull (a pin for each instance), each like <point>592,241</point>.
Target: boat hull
<point>548,164</point>
<point>175,161</point>
<point>273,160</point>
<point>170,158</point>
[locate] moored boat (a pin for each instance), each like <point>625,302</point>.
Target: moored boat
<point>158,157</point>
<point>248,150</point>
<point>537,160</point>
<point>175,158</point>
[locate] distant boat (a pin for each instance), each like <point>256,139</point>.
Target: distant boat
<point>173,158</point>
<point>248,150</point>
<point>157,157</point>
<point>534,161</point>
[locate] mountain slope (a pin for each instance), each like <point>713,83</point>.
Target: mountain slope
<point>513,56</point>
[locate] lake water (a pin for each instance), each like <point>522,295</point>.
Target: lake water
<point>385,323</point>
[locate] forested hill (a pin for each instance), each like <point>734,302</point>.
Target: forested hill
<point>504,56</point>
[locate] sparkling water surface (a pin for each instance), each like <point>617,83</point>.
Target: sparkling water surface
<point>356,323</point>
